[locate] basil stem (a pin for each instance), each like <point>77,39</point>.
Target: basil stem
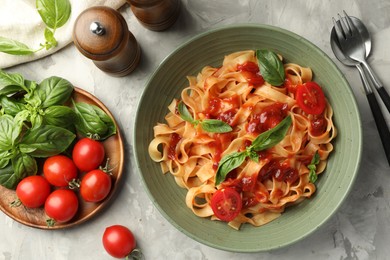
<point>263,141</point>
<point>313,167</point>
<point>271,67</point>
<point>209,125</point>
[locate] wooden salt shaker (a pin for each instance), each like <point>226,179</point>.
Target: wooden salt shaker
<point>156,15</point>
<point>101,34</point>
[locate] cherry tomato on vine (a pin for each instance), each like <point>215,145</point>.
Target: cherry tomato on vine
<point>226,204</point>
<point>95,185</point>
<point>311,98</point>
<point>118,241</point>
<point>88,154</point>
<point>59,170</point>
<point>32,191</point>
<point>61,206</point>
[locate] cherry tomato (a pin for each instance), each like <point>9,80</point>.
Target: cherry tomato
<point>32,191</point>
<point>88,154</point>
<point>95,185</point>
<point>61,205</point>
<point>311,98</point>
<point>118,241</point>
<point>226,204</point>
<point>59,170</point>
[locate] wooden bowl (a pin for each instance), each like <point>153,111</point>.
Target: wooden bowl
<point>37,217</point>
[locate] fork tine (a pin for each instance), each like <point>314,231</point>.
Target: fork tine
<point>351,25</point>
<point>339,31</point>
<point>344,26</point>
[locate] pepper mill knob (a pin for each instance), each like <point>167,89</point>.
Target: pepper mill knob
<point>156,15</point>
<point>101,34</point>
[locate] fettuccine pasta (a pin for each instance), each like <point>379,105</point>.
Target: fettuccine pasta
<point>237,94</point>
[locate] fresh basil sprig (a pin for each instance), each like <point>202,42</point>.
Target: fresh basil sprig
<point>271,67</point>
<point>54,14</point>
<point>313,167</point>
<point>263,141</point>
<point>209,125</point>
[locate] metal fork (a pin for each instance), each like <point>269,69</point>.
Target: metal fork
<point>352,45</point>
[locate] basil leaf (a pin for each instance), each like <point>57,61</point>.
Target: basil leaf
<point>52,91</point>
<point>8,132</point>
<point>215,126</point>
<point>11,106</point>
<point>272,136</point>
<point>313,167</point>
<point>9,90</point>
<point>46,141</point>
<point>50,39</point>
<point>36,120</point>
<point>271,67</point>
<point>263,141</point>
<point>227,164</point>
<point>62,116</point>
<point>5,157</point>
<point>91,120</point>
<point>21,117</point>
<point>14,47</point>
<point>7,177</point>
<point>12,79</point>
<point>54,13</point>
<point>184,113</point>
<point>24,165</point>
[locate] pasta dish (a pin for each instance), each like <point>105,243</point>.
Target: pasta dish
<point>246,139</point>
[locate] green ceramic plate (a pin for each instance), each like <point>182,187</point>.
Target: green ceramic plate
<point>209,49</point>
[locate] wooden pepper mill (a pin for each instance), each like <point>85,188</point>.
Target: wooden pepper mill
<point>156,15</point>
<point>101,34</point>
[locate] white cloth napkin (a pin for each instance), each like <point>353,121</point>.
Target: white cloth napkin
<point>19,20</point>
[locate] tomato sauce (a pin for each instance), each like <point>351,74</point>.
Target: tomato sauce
<point>251,72</point>
<point>228,116</point>
<point>281,171</point>
<point>220,143</point>
<point>268,118</point>
<point>216,106</point>
<point>318,125</point>
<point>175,138</point>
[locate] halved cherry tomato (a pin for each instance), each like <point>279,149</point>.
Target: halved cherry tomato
<point>61,206</point>
<point>59,170</point>
<point>118,241</point>
<point>95,186</point>
<point>88,154</point>
<point>226,204</point>
<point>32,191</point>
<point>311,98</point>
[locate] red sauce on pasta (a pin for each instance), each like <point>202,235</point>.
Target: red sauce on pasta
<point>251,72</point>
<point>220,143</point>
<point>175,138</point>
<point>318,125</point>
<point>268,118</point>
<point>281,171</point>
